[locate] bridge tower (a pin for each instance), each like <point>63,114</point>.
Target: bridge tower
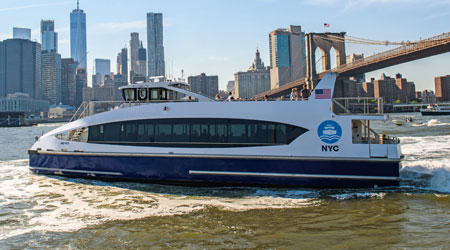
<point>323,41</point>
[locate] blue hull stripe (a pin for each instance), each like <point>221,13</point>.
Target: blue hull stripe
<point>210,171</point>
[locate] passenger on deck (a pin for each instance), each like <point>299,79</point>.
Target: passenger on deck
<point>294,94</point>
<point>266,98</point>
<point>305,94</point>
<point>230,97</point>
<point>217,97</point>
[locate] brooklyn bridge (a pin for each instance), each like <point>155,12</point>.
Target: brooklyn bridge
<point>404,52</point>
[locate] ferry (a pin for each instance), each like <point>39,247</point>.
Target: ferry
<point>164,133</point>
<point>436,110</point>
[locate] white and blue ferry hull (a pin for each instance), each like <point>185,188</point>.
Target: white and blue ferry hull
<point>320,148</point>
<point>220,170</point>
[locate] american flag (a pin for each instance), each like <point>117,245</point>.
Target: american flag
<point>326,25</point>
<point>323,93</point>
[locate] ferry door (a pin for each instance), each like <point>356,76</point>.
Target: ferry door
<point>378,150</point>
<point>362,133</point>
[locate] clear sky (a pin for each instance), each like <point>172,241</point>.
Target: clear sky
<point>219,37</point>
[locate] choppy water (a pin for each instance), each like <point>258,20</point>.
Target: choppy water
<point>41,212</point>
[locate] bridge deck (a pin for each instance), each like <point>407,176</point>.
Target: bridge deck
<point>409,52</point>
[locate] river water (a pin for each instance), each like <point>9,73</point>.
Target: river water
<point>42,212</point>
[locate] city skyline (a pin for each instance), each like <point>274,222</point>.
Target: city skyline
<point>219,45</point>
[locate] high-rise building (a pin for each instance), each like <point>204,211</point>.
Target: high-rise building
<point>368,88</point>
<point>107,91</point>
<point>155,46</point>
<point>68,71</point>
<point>405,90</point>
<point>254,81</point>
<point>102,68</point>
<point>51,77</point>
<point>141,68</point>
<point>385,87</point>
<point>80,83</point>
<point>442,88</point>
<point>78,37</point>
<point>134,51</point>
<point>205,85</point>
<point>230,86</point>
<point>122,63</point>
<point>287,55</point>
<point>49,38</point>
<point>21,33</point>
<point>393,89</point>
<point>428,96</point>
<point>20,67</point>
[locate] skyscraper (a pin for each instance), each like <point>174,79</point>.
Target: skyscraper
<point>68,69</point>
<point>49,38</point>
<point>51,77</point>
<point>255,81</point>
<point>21,33</point>
<point>442,88</point>
<point>142,61</point>
<point>102,67</point>
<point>122,63</point>
<point>20,67</point>
<point>134,51</point>
<point>155,47</point>
<point>287,55</point>
<point>205,85</point>
<point>80,83</point>
<point>78,37</point>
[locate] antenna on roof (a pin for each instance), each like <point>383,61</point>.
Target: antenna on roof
<point>78,4</point>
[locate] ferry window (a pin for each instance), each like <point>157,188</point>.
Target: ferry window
<point>195,133</point>
<point>180,133</point>
<point>128,132</point>
<point>141,133</point>
<point>212,132</point>
<point>163,94</point>
<point>154,94</point>
<point>204,134</point>
<point>142,94</point>
<point>281,134</point>
<point>237,133</point>
<point>112,132</point>
<point>163,132</point>
<point>292,132</point>
<point>130,94</point>
<point>145,133</point>
<point>157,94</point>
<point>257,133</point>
<point>95,134</point>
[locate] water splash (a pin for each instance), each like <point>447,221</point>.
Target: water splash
<point>42,203</point>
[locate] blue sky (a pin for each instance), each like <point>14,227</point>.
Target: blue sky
<point>220,37</point>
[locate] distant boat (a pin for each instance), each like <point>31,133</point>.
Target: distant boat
<point>398,122</point>
<point>435,110</point>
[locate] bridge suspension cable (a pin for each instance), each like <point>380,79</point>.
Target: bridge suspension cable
<point>357,40</point>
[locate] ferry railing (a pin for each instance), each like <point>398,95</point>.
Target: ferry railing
<point>95,107</point>
<point>80,112</point>
<point>357,105</point>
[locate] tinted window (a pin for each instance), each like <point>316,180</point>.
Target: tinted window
<point>195,133</point>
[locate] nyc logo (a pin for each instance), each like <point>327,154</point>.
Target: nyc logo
<point>329,132</point>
